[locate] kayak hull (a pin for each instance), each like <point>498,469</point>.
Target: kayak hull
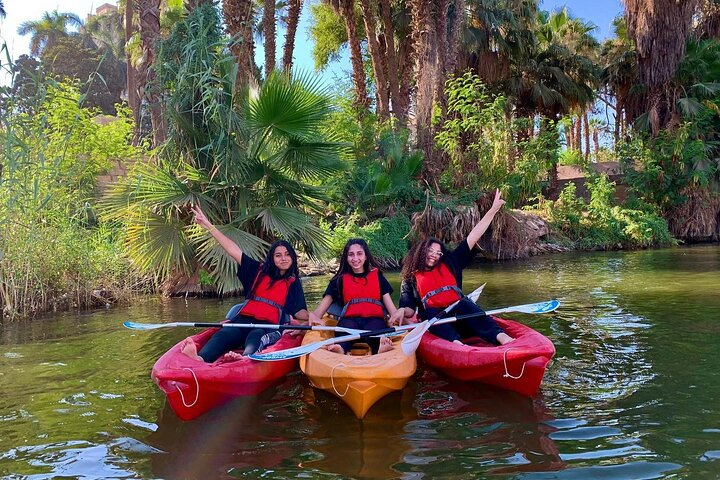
<point>359,379</point>
<point>518,366</point>
<point>193,387</point>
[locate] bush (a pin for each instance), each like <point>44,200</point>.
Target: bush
<point>385,237</point>
<point>600,225</point>
<point>53,254</point>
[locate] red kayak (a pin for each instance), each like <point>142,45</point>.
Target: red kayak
<point>518,366</point>
<point>193,387</point>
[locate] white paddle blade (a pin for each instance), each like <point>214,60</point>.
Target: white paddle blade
<point>412,340</point>
<point>475,294</point>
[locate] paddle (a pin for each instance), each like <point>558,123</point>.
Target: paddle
<point>154,326</point>
<point>311,347</point>
<point>412,340</point>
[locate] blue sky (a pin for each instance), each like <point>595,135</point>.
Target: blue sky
<point>601,13</point>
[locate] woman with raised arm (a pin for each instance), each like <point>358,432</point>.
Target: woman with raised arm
<point>432,280</point>
<point>362,291</point>
<point>273,292</point>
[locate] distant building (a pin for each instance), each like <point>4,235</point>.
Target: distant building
<point>105,8</point>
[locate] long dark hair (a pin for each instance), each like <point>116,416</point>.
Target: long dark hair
<point>369,259</point>
<point>415,259</point>
<point>271,270</point>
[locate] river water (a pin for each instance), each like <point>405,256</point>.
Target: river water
<point>631,394</point>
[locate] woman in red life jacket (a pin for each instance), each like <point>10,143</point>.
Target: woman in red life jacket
<point>432,280</point>
<point>362,291</point>
<point>273,291</point>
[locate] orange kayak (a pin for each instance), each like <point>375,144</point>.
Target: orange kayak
<point>518,366</point>
<point>358,378</point>
<point>193,387</point>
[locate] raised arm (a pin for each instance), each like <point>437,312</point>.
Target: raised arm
<point>227,244</point>
<point>479,230</point>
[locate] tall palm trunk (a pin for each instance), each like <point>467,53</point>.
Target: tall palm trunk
<point>294,10</point>
<point>149,34</point>
<point>383,100</point>
<point>393,72</point>
<point>238,15</point>
<point>429,30</point>
<point>132,90</point>
<point>660,29</point>
<point>269,34</point>
<point>586,126</point>
<point>346,9</point>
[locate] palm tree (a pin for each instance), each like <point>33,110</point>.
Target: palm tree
<point>293,19</point>
<point>149,28</point>
<point>268,27</point>
<point>620,74</point>
<point>238,15</point>
<point>48,29</point>
<point>659,26</point>
<point>253,162</point>
<point>346,10</point>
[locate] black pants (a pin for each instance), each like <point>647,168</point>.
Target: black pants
<point>233,338</point>
<point>361,323</point>
<point>482,326</point>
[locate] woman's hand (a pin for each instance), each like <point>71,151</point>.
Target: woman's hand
<point>498,202</point>
<point>201,219</point>
<point>313,319</point>
<point>397,318</point>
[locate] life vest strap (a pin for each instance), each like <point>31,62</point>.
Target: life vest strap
<point>265,300</point>
<point>437,291</point>
<point>373,301</point>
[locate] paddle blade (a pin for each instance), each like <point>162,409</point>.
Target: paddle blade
<point>475,294</point>
<point>412,340</point>
<point>540,307</point>
<point>146,326</point>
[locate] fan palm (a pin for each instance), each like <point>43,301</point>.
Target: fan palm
<point>253,162</point>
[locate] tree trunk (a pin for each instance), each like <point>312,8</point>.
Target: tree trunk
<point>586,125</point>
<point>393,72</point>
<point>269,34</point>
<point>455,36</point>
<point>149,33</point>
<point>429,31</point>
<point>659,26</point>
<point>238,15</point>
<point>294,10</point>
<point>383,103</point>
<point>347,11</point>
<point>596,141</point>
<point>132,89</point>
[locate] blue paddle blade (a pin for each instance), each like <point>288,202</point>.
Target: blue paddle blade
<point>142,326</point>
<point>545,307</point>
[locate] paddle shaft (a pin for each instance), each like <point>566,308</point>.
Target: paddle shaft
<point>269,326</point>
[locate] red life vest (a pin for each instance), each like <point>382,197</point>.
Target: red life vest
<point>265,302</point>
<point>437,287</point>
<point>361,295</point>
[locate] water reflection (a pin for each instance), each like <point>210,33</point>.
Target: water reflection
<point>466,427</point>
<point>249,434</point>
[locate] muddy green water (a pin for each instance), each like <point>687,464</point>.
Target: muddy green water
<point>632,393</point>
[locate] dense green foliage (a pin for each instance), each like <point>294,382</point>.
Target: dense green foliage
<point>53,253</point>
<point>386,237</point>
<point>602,224</point>
<point>486,147</point>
